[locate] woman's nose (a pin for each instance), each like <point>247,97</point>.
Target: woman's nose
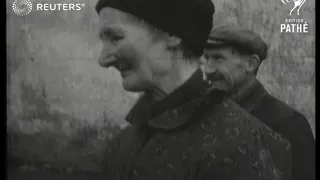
<point>107,60</point>
<point>107,57</point>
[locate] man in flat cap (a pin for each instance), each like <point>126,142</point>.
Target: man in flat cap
<point>232,58</point>
<point>178,129</point>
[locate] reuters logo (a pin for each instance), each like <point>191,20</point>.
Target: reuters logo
<point>22,7</point>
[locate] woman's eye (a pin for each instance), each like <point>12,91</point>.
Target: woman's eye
<point>111,36</point>
<point>116,38</point>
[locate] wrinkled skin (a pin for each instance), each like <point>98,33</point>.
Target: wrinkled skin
<point>134,49</point>
<point>234,67</point>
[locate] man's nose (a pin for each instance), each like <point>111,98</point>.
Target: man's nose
<point>107,57</point>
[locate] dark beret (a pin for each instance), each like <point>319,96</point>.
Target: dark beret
<point>244,40</point>
<point>190,20</point>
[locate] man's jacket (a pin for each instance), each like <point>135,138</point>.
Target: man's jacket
<point>286,121</point>
<point>193,134</point>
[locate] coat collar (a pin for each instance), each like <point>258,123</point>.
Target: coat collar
<point>175,109</point>
<point>250,94</point>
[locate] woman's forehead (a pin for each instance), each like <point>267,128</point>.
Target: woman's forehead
<point>115,20</point>
<point>112,16</point>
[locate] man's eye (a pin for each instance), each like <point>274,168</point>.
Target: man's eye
<point>218,58</point>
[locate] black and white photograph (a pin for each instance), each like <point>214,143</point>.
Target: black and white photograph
<point>160,90</point>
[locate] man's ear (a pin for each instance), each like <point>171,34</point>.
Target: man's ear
<point>203,59</point>
<point>253,63</point>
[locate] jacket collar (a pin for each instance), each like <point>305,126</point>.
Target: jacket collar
<point>175,109</point>
<point>250,94</point>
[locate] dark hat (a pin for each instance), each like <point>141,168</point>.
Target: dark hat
<point>244,40</point>
<point>190,20</point>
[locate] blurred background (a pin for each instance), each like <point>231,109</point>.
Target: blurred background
<point>62,107</point>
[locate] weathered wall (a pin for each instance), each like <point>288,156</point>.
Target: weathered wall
<point>62,107</point>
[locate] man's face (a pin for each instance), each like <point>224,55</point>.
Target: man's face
<point>133,48</point>
<point>227,61</point>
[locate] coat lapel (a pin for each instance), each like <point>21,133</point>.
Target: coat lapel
<point>175,109</point>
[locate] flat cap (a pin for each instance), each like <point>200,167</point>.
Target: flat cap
<point>190,20</point>
<point>244,40</point>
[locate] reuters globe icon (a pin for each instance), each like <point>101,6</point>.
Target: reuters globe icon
<point>22,7</point>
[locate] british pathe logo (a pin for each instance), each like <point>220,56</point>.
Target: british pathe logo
<point>295,23</point>
<point>297,4</point>
<point>22,7</point>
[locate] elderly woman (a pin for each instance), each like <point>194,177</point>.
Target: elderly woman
<point>179,130</point>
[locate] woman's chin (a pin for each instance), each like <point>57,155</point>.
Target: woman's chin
<point>132,86</point>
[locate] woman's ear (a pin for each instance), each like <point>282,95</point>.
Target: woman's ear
<point>173,42</point>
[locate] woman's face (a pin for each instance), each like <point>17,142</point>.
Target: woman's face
<point>137,51</point>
